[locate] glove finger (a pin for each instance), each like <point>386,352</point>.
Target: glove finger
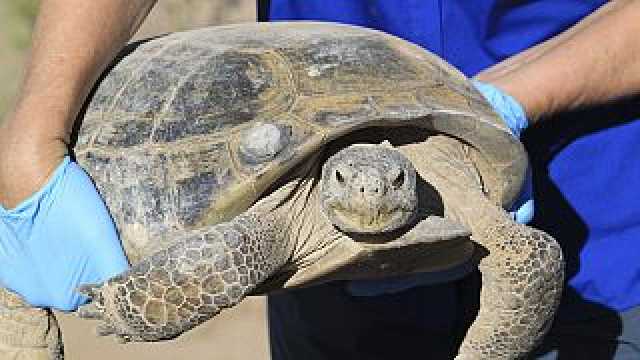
<point>509,109</point>
<point>523,208</point>
<point>525,213</point>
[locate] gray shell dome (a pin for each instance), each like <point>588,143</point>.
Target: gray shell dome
<point>191,128</point>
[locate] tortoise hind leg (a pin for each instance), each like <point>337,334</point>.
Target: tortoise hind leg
<point>522,281</point>
<point>27,333</point>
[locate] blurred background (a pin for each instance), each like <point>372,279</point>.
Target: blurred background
<point>239,333</point>
<point>17,17</point>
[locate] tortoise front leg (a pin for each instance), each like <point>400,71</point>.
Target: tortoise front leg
<point>191,281</point>
<point>522,279</point>
<point>27,333</point>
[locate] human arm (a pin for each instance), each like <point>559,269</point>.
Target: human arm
<point>592,63</point>
<point>55,231</point>
<point>512,63</point>
<point>74,40</point>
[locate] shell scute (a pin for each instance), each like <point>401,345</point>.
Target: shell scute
<point>330,112</point>
<point>343,64</point>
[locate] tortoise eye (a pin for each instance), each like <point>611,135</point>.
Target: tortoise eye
<point>339,177</point>
<point>398,181</point>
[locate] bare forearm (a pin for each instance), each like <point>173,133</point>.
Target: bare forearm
<point>515,62</point>
<point>74,40</point>
<point>591,64</point>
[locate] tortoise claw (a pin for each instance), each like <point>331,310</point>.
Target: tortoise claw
<point>105,330</point>
<point>90,290</point>
<point>90,311</point>
<point>123,339</point>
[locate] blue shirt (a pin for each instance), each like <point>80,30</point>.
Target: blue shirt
<point>586,166</point>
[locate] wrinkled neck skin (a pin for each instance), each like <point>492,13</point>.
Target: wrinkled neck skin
<point>319,249</point>
<point>313,238</point>
<point>310,234</point>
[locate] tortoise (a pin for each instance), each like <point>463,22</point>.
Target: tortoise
<point>249,158</point>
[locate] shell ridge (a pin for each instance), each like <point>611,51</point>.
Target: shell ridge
<point>234,163</point>
<point>174,94</point>
<point>125,86</point>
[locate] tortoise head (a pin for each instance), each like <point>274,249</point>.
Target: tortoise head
<point>368,189</point>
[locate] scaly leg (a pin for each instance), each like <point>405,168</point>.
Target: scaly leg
<point>191,281</point>
<point>523,273</point>
<point>522,279</point>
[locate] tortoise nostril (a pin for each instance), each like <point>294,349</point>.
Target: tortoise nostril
<point>399,180</point>
<point>339,177</point>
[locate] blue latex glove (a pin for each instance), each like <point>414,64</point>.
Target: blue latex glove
<point>58,239</point>
<point>505,105</point>
<point>522,211</point>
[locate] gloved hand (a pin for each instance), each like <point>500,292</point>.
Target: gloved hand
<point>522,210</point>
<point>58,239</point>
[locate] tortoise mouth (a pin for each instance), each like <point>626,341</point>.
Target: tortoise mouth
<point>370,222</point>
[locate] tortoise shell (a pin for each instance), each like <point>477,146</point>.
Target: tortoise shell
<point>191,128</point>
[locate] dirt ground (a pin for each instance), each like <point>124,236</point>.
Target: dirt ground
<point>238,333</point>
<point>235,334</point>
